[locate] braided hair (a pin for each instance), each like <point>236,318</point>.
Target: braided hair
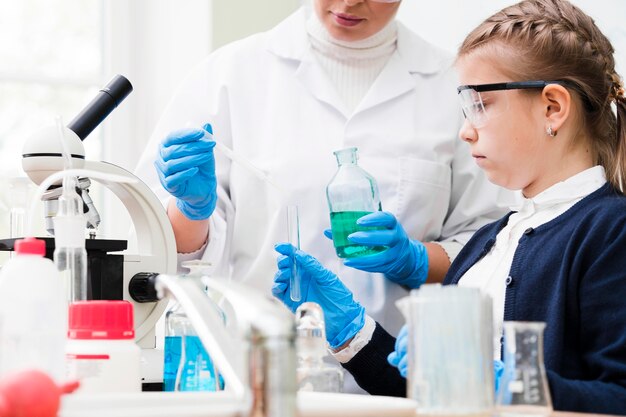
<point>555,40</point>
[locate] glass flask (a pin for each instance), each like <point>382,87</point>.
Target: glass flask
<point>187,365</point>
<point>352,193</point>
<point>313,374</point>
<point>524,389</point>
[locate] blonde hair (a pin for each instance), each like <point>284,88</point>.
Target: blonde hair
<point>555,40</point>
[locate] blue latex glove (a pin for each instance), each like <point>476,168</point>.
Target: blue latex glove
<point>405,262</point>
<point>186,168</point>
<point>498,370</point>
<point>398,357</point>
<point>344,316</point>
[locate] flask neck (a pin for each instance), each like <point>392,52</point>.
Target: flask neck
<point>346,156</point>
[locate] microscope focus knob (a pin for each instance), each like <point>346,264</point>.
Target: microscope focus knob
<point>141,287</point>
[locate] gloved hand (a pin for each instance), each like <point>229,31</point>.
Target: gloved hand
<point>398,357</point>
<point>344,316</point>
<point>405,262</point>
<point>186,169</point>
<point>498,370</point>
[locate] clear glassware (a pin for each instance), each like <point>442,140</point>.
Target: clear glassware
<point>187,365</point>
<point>18,201</point>
<point>70,255</point>
<point>443,378</point>
<point>352,193</point>
<point>293,231</point>
<point>313,374</point>
<point>524,389</point>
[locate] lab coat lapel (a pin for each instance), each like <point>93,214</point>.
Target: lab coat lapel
<point>289,40</point>
<point>393,81</point>
<point>413,57</point>
<point>319,85</point>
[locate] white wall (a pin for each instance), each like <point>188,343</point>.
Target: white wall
<point>446,22</point>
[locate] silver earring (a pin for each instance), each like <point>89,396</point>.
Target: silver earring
<point>550,132</point>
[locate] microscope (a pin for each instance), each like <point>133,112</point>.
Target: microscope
<point>112,273</point>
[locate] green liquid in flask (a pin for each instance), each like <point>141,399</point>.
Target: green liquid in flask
<point>342,224</point>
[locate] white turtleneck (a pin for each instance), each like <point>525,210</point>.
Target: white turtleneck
<point>352,66</point>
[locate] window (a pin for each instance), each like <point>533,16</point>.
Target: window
<point>51,61</point>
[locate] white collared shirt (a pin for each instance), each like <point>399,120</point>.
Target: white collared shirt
<point>490,273</point>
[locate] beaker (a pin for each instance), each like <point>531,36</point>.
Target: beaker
<point>450,350</point>
<point>524,387</point>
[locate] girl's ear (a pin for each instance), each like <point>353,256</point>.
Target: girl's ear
<point>557,103</point>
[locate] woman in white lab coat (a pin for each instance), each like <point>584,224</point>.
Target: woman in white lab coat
<point>341,74</point>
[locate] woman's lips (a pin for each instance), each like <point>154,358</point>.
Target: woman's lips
<point>479,159</point>
<point>346,19</point>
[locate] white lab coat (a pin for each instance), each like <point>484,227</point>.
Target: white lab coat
<point>269,100</point>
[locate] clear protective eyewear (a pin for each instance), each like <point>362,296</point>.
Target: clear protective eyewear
<point>478,108</point>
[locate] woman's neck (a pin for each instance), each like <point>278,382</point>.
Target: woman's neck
<point>377,45</point>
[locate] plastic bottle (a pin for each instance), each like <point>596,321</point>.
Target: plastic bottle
<point>313,373</point>
<point>33,312</point>
<point>101,350</point>
<point>187,365</point>
<point>352,193</point>
<point>70,255</point>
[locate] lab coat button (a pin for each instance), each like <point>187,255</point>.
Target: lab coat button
<point>509,281</point>
<point>529,231</point>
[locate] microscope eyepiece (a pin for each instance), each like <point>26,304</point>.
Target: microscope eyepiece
<point>99,108</point>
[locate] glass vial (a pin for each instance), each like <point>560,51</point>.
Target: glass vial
<point>70,255</point>
<point>352,193</point>
<point>524,386</point>
<point>293,231</point>
<point>313,374</point>
<point>187,365</point>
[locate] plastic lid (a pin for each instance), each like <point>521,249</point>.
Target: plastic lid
<point>100,319</point>
<point>30,246</point>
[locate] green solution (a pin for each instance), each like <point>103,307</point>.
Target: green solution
<point>342,224</point>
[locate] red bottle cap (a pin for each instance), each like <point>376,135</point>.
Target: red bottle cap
<point>30,246</point>
<point>101,319</point>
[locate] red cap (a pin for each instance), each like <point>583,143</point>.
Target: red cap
<point>30,246</point>
<point>100,319</point>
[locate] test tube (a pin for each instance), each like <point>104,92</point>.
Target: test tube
<point>293,231</point>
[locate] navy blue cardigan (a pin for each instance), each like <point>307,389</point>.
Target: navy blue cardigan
<point>569,273</point>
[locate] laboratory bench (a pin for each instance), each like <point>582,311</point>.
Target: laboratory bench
<point>195,404</point>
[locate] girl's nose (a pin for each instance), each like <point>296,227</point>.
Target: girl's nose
<point>467,132</point>
<point>353,2</point>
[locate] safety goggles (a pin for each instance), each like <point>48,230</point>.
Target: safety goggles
<point>478,108</point>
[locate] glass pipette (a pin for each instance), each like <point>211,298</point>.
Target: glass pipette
<point>292,211</point>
